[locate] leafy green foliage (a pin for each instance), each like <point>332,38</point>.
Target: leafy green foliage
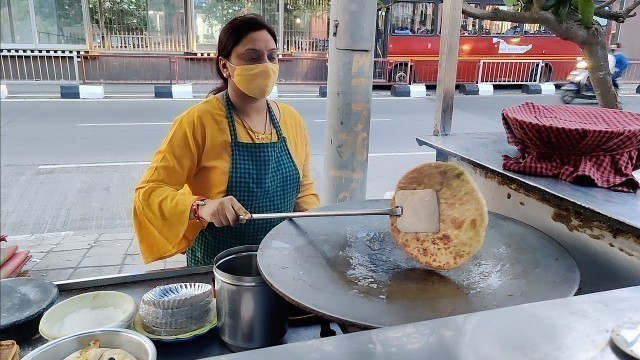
<point>560,8</point>
<point>125,15</point>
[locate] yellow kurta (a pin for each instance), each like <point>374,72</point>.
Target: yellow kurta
<point>194,159</point>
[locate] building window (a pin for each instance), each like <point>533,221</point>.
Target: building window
<point>413,19</point>
<point>59,22</point>
<point>15,22</point>
<point>306,26</point>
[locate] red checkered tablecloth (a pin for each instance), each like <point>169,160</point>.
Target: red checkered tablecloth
<point>585,145</point>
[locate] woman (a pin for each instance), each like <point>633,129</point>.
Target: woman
<point>233,153</point>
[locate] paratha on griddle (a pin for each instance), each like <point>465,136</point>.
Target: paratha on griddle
<point>463,217</point>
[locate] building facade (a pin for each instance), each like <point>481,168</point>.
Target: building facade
<point>627,34</point>
<point>157,26</point>
<point>182,26</point>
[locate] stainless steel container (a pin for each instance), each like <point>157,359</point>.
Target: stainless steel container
<point>250,314</point>
<point>130,341</point>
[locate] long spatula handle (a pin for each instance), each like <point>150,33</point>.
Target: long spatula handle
<point>396,211</point>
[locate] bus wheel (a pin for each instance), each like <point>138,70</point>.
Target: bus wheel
<point>545,75</point>
<point>399,74</point>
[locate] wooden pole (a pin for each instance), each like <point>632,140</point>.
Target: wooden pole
<point>447,66</point>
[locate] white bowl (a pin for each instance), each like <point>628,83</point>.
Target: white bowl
<point>177,296</point>
<point>130,341</point>
<point>89,302</point>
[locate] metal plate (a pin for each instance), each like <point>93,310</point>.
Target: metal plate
<point>350,270</point>
<point>23,299</point>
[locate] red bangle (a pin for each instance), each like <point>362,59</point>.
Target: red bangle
<point>195,206</point>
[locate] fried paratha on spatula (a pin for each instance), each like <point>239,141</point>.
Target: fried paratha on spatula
<point>463,217</point>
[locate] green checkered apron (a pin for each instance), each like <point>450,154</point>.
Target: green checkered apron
<point>264,178</point>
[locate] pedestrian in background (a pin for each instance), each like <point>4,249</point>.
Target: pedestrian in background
<point>233,153</point>
<point>620,66</point>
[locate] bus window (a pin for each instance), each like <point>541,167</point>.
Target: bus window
<point>469,25</point>
<point>601,21</point>
<point>490,27</point>
<point>536,29</point>
<point>413,19</point>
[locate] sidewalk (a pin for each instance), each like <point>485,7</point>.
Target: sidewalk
<point>200,91</point>
<point>65,256</point>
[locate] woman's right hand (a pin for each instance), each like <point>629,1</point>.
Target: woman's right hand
<point>222,212</point>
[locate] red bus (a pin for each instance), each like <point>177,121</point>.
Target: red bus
<point>408,37</point>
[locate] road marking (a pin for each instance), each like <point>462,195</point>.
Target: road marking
<point>292,94</point>
<point>284,97</point>
<point>403,154</point>
<point>29,236</point>
<point>323,120</point>
<point>128,124</point>
<point>124,98</point>
<point>134,163</point>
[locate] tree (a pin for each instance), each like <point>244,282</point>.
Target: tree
<point>571,20</point>
<point>218,12</point>
<point>119,15</point>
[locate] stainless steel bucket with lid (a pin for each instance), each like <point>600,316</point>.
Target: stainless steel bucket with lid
<point>250,314</point>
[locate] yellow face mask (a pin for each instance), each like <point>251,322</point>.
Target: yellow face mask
<point>256,80</point>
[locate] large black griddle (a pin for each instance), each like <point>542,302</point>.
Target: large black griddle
<point>351,271</point>
<point>23,301</point>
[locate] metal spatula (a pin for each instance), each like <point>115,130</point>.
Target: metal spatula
<point>417,212</point>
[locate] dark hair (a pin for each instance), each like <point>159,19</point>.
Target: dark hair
<point>231,35</point>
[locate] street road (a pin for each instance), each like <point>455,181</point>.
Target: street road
<point>72,165</point>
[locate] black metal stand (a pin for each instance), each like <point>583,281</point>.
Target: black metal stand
<point>325,329</point>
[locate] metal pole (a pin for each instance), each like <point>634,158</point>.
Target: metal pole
<point>190,22</point>
<point>351,44</point>
<point>34,24</point>
<point>447,66</point>
<point>75,68</point>
<point>88,24</point>
<point>281,25</point>
<point>11,29</point>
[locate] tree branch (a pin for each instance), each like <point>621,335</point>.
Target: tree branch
<point>501,15</point>
<point>605,4</point>
<point>618,16</point>
<point>537,4</point>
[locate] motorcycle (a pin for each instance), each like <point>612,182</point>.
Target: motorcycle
<point>578,86</point>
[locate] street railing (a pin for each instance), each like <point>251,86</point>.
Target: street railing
<point>512,71</point>
<point>69,67</point>
<point>60,67</point>
<point>632,74</point>
<point>196,70</point>
<point>426,71</point>
<point>392,71</point>
<point>127,69</point>
<point>305,70</point>
<point>556,71</point>
<point>293,70</point>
